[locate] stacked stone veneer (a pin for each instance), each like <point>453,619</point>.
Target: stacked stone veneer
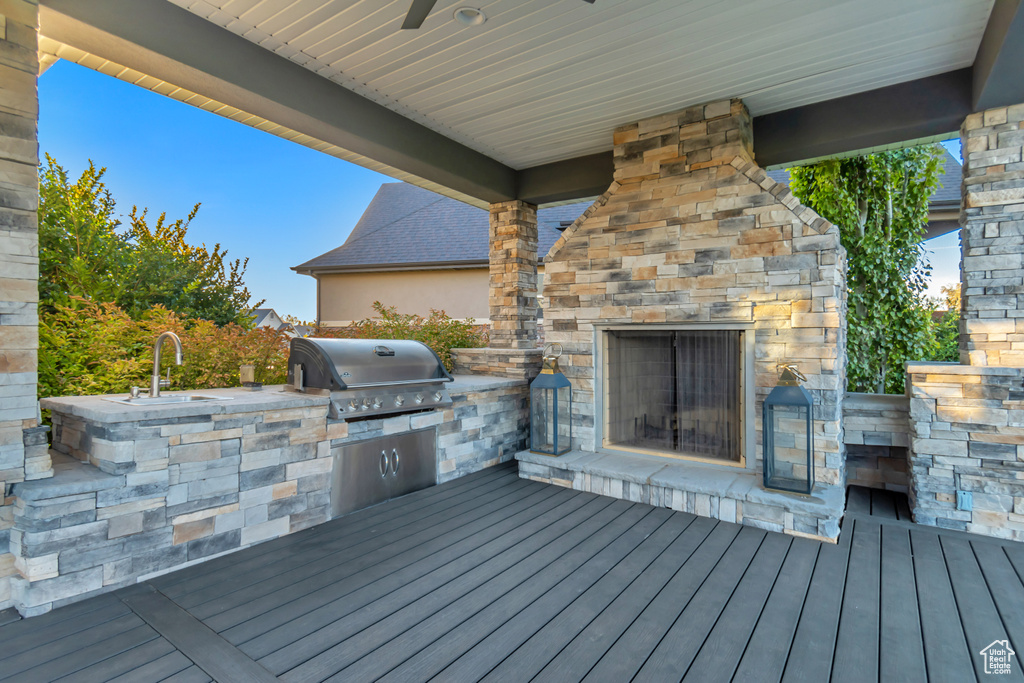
<point>876,433</point>
<point>992,235</point>
<point>20,456</point>
<point>966,420</point>
<point>693,231</point>
<point>515,363</point>
<point>132,498</point>
<point>513,275</point>
<point>967,435</point>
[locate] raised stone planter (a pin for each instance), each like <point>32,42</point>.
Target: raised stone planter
<point>967,429</point>
<point>876,431</point>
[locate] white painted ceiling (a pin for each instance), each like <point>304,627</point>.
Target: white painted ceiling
<point>544,80</point>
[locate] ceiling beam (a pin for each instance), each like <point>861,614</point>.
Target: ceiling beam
<point>913,110</point>
<point>586,176</point>
<point>998,70</point>
<point>169,43</point>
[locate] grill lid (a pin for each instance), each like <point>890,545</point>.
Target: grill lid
<point>340,364</point>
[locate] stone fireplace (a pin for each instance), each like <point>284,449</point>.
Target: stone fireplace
<point>675,297</point>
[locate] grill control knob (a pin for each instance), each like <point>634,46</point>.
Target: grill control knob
<point>399,400</point>
<point>353,405</point>
<point>378,402</point>
<point>437,395</point>
<point>419,398</point>
<point>366,404</point>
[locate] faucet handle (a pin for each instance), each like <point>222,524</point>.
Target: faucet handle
<point>164,383</point>
<point>135,392</point>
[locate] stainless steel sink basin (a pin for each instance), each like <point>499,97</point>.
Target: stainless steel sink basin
<point>166,399</point>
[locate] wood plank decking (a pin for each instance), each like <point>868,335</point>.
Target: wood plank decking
<point>495,578</point>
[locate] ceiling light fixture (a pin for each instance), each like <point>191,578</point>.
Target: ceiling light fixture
<point>470,16</point>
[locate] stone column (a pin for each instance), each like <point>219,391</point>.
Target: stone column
<point>19,262</point>
<point>513,270</point>
<point>992,238</point>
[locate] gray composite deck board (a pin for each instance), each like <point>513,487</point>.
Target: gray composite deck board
<point>212,572</point>
<point>490,577</point>
<point>319,550</point>
<point>975,603</point>
<point>901,648</point>
<point>527,641</point>
<point>856,652</point>
<point>369,552</point>
<point>311,601</point>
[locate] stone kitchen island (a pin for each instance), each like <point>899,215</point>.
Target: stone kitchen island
<point>141,490</point>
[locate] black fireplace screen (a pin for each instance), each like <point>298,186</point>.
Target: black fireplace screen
<point>677,391</point>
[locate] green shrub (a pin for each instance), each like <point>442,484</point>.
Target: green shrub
<point>438,331</point>
<point>88,348</point>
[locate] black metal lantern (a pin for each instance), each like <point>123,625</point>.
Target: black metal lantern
<point>550,407</point>
<point>788,434</point>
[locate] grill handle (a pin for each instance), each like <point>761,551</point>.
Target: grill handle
<point>400,383</point>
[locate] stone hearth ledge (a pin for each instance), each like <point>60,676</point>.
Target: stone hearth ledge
<point>720,492</point>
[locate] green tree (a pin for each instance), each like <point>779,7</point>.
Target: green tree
<point>947,327</point>
<point>880,204</point>
<point>85,254</point>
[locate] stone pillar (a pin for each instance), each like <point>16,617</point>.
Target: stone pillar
<point>513,257</point>
<point>992,238</point>
<point>19,261</point>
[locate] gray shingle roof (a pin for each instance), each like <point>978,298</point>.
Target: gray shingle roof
<point>405,225</point>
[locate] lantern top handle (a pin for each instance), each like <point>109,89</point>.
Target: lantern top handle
<point>549,350</point>
<point>789,375</point>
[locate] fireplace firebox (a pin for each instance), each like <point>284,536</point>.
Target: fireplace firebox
<point>676,392</point>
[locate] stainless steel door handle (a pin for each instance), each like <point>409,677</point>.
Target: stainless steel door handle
<point>394,462</point>
<point>383,464</point>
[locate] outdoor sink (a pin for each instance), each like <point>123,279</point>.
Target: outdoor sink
<point>169,399</point>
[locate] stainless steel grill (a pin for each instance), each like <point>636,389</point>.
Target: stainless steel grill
<point>369,377</point>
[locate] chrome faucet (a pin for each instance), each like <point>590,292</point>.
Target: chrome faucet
<point>155,383</point>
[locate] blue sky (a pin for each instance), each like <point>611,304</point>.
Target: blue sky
<point>276,202</point>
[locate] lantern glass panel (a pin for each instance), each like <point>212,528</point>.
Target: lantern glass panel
<point>788,440</point>
<point>550,423</point>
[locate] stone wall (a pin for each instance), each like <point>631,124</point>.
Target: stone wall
<point>131,497</point>
<point>967,436</point>
<point>513,275</point>
<point>992,233</point>
<point>513,363</point>
<point>19,264</point>
<point>692,231</point>
<point>876,434</point>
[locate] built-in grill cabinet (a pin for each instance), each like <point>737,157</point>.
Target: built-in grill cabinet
<point>373,471</point>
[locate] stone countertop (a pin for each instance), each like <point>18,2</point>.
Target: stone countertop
<point>467,383</point>
<point>238,400</point>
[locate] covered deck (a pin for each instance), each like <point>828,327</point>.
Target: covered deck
<point>493,577</point>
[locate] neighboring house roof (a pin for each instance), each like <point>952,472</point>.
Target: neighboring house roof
<point>259,315</point>
<point>408,227</point>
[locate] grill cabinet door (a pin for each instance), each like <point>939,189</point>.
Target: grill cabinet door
<point>357,481</point>
<point>413,465</point>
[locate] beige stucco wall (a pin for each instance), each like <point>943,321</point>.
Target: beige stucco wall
<point>461,293</point>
